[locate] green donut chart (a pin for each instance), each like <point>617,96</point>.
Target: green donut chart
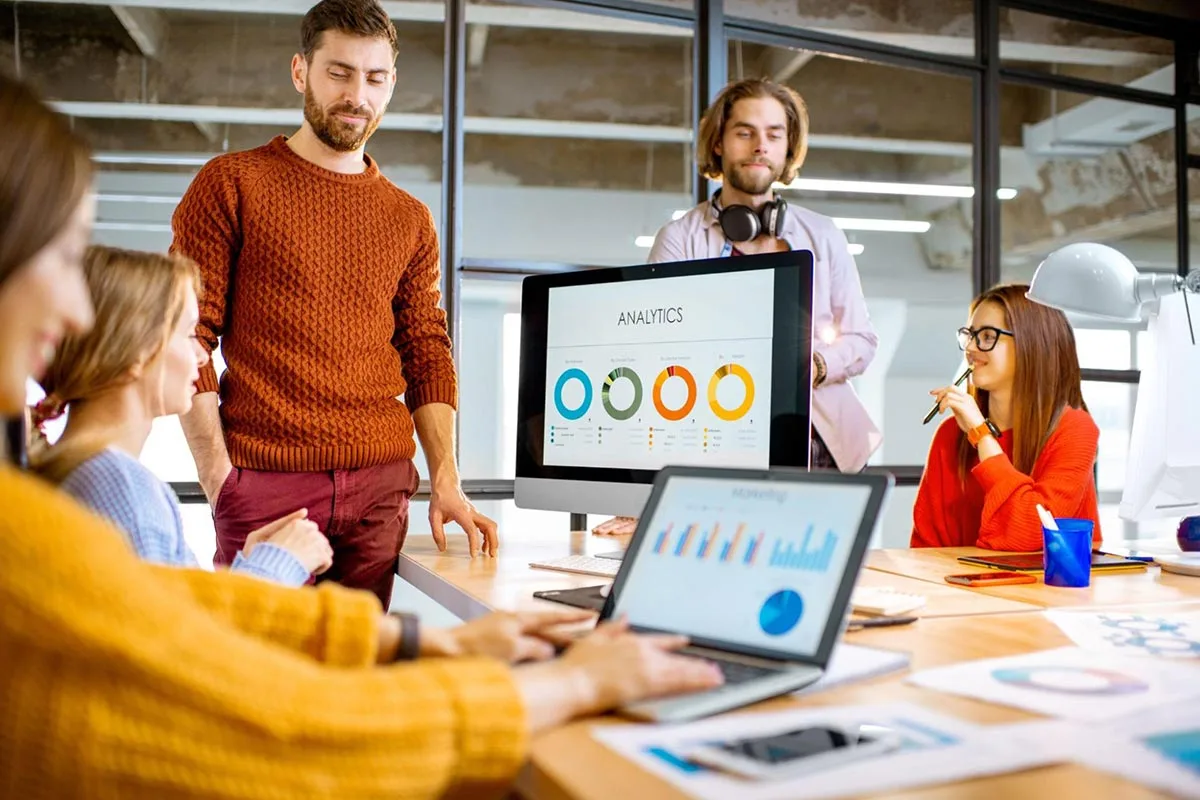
<point>621,414</point>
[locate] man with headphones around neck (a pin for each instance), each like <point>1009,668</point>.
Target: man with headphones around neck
<point>753,135</point>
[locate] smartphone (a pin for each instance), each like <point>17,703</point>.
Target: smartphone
<point>796,752</point>
<point>991,578</point>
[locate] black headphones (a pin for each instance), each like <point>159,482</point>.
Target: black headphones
<point>743,223</point>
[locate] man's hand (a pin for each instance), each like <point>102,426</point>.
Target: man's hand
<point>212,481</point>
<point>509,637</point>
<point>448,504</point>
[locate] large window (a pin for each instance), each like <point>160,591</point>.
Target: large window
<point>577,146</point>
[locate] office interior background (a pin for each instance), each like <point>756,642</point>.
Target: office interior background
<point>970,139</point>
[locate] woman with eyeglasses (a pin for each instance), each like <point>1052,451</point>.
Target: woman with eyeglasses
<point>1019,435</point>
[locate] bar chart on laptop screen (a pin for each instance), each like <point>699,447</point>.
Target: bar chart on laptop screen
<point>812,553</point>
<point>758,563</point>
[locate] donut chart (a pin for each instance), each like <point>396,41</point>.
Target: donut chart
<point>613,377</point>
<point>674,414</point>
<point>731,414</point>
<point>575,374</point>
<point>1070,680</point>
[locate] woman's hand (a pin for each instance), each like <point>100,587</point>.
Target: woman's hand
<point>299,536</point>
<point>962,405</point>
<point>523,636</point>
<point>609,668</point>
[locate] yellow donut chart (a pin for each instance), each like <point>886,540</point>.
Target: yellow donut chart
<point>674,414</point>
<point>727,414</point>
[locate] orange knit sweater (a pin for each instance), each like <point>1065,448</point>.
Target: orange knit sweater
<point>123,680</point>
<point>323,289</point>
<point>996,508</point>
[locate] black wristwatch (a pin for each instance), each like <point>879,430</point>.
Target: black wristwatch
<point>410,636</point>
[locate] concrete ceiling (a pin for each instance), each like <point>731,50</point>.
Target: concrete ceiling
<point>558,98</point>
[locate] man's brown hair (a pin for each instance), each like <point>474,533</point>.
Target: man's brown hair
<point>712,125</point>
<point>354,17</point>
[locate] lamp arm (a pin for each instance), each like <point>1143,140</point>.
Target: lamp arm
<point>1148,286</point>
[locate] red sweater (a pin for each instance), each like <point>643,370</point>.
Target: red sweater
<point>323,289</point>
<point>997,508</point>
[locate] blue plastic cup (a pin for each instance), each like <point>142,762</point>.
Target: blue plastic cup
<point>1067,553</point>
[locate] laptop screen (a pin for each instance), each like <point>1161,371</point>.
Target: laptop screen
<point>755,563</point>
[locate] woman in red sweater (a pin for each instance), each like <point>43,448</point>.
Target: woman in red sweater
<point>1019,436</point>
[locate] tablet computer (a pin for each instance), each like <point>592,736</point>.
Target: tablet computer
<point>1032,562</point>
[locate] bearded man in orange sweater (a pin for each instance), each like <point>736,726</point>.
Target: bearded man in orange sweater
<point>321,282</point>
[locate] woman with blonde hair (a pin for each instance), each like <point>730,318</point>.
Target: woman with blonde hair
<point>140,361</point>
<point>1019,436</point>
<point>125,679</point>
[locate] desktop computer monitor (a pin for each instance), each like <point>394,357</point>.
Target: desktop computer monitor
<point>628,370</point>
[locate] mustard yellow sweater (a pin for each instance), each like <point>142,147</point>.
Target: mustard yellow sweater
<point>123,680</point>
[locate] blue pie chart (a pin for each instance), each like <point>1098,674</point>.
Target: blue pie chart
<point>781,612</point>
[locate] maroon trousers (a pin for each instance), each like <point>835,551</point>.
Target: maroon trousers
<point>363,512</point>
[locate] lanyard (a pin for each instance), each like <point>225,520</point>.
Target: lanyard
<point>726,249</point>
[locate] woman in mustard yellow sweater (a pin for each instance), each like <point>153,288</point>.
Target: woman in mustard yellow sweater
<point>122,679</point>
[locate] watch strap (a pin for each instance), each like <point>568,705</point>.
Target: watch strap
<point>410,636</point>
<point>985,428</point>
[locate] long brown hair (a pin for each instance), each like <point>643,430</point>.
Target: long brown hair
<point>1046,380</point>
<point>139,299</point>
<point>45,169</point>
<point>712,125</point>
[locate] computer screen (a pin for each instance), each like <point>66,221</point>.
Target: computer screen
<point>772,554</point>
<point>625,371</point>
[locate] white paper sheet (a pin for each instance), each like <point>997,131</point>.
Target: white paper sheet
<point>1125,634</point>
<point>1069,682</point>
<point>937,749</point>
<point>851,662</point>
<point>1160,748</point>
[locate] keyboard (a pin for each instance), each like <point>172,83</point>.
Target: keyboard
<point>583,565</point>
<point>736,672</point>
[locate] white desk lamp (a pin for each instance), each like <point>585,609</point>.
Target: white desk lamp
<point>1096,280</point>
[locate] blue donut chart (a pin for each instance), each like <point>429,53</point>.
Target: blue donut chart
<point>1058,679</point>
<point>572,413</point>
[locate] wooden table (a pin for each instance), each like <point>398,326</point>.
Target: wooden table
<point>957,624</point>
<point>1148,586</point>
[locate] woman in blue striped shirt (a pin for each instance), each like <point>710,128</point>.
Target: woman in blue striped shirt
<point>140,361</point>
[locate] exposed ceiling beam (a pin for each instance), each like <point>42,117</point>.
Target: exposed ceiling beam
<point>209,130</point>
<point>510,126</point>
<point>477,36</point>
<point>517,16</point>
<point>786,63</point>
<point>146,26</point>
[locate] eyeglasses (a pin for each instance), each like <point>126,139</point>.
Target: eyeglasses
<point>985,338</point>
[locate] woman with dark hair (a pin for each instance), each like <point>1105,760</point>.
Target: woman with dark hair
<point>1020,435</point>
<point>123,679</point>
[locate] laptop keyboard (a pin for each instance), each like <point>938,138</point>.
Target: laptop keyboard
<point>736,672</point>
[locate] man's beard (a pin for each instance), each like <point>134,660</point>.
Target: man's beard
<point>753,181</point>
<point>333,133</point>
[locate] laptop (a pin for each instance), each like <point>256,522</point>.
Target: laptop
<point>756,567</point>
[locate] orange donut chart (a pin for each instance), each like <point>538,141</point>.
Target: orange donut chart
<point>674,415</point>
<point>728,414</point>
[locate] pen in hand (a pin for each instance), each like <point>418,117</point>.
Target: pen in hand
<point>933,411</point>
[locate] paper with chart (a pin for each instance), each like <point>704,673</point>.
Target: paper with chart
<point>681,376</point>
<point>852,662</point>
<point>937,749</point>
<point>1164,636</point>
<point>1069,682</point>
<point>1158,748</point>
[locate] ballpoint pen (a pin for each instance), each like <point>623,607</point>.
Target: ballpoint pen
<point>878,622</point>
<point>933,411</point>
